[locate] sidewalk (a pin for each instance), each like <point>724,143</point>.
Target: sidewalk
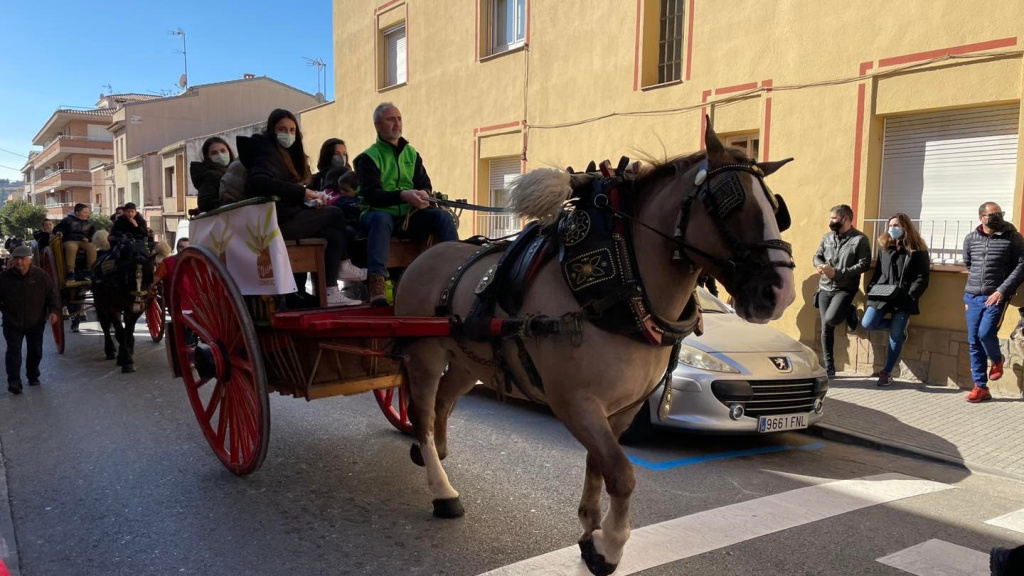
<point>930,421</point>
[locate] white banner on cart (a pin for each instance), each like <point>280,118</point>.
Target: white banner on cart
<point>248,241</point>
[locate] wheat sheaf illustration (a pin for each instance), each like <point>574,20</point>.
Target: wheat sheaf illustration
<point>260,238</point>
<point>220,245</point>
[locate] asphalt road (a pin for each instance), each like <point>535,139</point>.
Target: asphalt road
<point>109,474</point>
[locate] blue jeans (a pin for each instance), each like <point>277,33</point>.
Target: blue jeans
<point>874,319</point>
<point>982,335</point>
<point>381,226</point>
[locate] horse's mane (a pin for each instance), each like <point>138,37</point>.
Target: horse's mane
<point>679,164</point>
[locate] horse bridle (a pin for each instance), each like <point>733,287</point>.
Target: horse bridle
<point>721,197</point>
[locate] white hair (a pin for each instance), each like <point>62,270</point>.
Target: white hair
<point>378,112</point>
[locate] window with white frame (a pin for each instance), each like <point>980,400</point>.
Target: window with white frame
<point>938,167</point>
<point>501,173</point>
<point>670,41</point>
<point>749,143</point>
<point>508,24</point>
<point>394,56</point>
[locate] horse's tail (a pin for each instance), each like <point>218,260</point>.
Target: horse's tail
<point>539,194</point>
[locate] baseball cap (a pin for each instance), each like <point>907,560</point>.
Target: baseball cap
<point>21,252</point>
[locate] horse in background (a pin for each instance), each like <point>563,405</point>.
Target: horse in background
<point>120,287</point>
<point>708,212</point>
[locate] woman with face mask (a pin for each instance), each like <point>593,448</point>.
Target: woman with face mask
<point>899,280</point>
<point>277,166</point>
<point>206,174</point>
<point>333,157</point>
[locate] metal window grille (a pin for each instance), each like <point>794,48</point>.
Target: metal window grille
<point>670,44</point>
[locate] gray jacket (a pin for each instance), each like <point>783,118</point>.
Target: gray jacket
<point>849,254</point>
<point>994,262</point>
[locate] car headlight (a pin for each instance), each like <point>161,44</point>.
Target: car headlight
<point>702,360</point>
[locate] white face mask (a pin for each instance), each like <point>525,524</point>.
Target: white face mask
<point>286,139</point>
<point>222,159</point>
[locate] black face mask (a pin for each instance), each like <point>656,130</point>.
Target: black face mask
<point>835,226</point>
<point>995,222</point>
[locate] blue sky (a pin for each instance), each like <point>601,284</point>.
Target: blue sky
<point>57,53</point>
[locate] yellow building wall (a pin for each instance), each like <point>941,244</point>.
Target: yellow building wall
<point>788,69</point>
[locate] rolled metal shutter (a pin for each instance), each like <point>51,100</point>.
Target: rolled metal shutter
<point>939,167</point>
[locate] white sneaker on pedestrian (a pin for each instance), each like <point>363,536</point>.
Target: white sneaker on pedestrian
<point>351,273</point>
<point>336,298</point>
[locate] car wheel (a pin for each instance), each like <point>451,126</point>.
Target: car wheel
<point>640,429</point>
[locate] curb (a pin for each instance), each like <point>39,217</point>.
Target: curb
<point>8,543</point>
<point>847,436</point>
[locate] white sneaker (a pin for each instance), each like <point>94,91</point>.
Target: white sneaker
<point>351,273</point>
<point>336,298</point>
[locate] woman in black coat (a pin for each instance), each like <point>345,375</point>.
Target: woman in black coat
<point>903,263</point>
<point>277,166</point>
<point>333,154</point>
<point>206,174</point>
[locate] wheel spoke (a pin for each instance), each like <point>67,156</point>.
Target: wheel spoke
<point>222,423</point>
<point>215,399</point>
<point>403,404</point>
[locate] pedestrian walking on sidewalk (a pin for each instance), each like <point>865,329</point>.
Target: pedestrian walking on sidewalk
<point>897,284</point>
<point>844,254</point>
<point>28,299</point>
<point>994,256</point>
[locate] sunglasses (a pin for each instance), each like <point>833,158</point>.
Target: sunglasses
<point>1000,214</point>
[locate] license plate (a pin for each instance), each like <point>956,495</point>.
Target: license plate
<point>781,423</point>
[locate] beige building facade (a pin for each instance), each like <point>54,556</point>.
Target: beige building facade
<point>915,108</point>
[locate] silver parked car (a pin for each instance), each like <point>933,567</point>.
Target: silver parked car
<point>739,378</point>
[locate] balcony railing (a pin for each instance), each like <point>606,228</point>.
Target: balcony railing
<point>498,225</point>
<point>945,238</point>
<point>52,148</point>
<point>87,176</point>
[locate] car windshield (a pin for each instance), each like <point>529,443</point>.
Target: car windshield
<point>710,304</point>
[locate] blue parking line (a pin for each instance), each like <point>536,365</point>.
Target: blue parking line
<point>670,464</point>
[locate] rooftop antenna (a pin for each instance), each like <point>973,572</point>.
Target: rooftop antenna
<point>110,89</point>
<point>321,68</point>
<point>183,80</point>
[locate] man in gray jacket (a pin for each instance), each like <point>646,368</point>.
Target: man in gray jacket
<point>994,256</point>
<point>844,254</point>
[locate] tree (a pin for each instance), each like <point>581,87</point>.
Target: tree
<point>101,222</point>
<point>18,217</point>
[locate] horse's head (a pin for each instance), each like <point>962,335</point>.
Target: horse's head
<point>730,225</point>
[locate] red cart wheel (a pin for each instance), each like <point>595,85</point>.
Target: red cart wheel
<point>394,402</point>
<point>220,361</point>
<point>49,264</point>
<point>156,316</point>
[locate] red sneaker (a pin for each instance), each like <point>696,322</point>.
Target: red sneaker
<point>979,394</point>
<point>996,372</point>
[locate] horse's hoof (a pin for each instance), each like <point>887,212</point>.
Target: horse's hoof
<point>595,561</point>
<point>128,368</point>
<point>448,508</point>
<point>415,455</point>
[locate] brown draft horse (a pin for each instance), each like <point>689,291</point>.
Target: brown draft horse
<point>596,386</point>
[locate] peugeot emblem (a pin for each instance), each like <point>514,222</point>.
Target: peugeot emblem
<point>781,363</point>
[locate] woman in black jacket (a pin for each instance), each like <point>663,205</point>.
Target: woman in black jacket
<point>902,263</point>
<point>277,166</point>
<point>333,154</point>
<point>206,174</point>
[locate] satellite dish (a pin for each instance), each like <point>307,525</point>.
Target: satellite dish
<point>319,97</point>
<point>183,81</point>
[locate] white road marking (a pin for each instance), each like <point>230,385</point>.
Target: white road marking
<point>1012,521</point>
<point>939,558</point>
<point>702,532</point>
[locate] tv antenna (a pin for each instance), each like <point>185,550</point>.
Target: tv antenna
<point>183,80</point>
<point>321,68</point>
<point>110,89</point>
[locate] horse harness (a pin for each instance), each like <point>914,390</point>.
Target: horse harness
<point>597,259</point>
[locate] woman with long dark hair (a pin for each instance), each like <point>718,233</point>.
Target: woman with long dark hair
<point>206,173</point>
<point>333,154</point>
<point>899,280</point>
<point>276,161</point>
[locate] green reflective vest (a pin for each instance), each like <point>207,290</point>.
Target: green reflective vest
<point>395,174</point>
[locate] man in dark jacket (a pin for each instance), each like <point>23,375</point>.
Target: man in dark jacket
<point>994,256</point>
<point>393,181</point>
<point>76,231</point>
<point>131,223</point>
<point>28,298</point>
<point>844,254</point>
